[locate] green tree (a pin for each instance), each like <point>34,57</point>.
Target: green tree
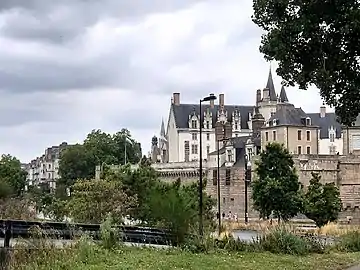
<point>138,182</point>
<point>12,176</point>
<point>76,162</point>
<point>92,200</point>
<point>315,43</point>
<point>276,189</point>
<point>99,148</point>
<point>176,207</point>
<point>322,202</point>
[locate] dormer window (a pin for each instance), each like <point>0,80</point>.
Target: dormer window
<point>308,121</point>
<point>229,155</point>
<point>207,124</point>
<point>274,122</point>
<point>332,136</point>
<point>194,124</point>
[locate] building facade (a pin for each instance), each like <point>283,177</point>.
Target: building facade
<point>300,132</point>
<point>44,170</point>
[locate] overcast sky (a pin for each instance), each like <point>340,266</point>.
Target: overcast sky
<point>70,66</point>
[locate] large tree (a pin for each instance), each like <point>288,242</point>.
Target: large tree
<point>76,162</point>
<point>91,201</point>
<point>12,176</point>
<point>315,43</point>
<point>276,189</point>
<point>322,201</point>
<point>99,148</point>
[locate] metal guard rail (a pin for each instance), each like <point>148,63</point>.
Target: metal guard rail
<point>67,231</point>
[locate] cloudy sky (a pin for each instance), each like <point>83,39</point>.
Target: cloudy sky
<point>70,66</point>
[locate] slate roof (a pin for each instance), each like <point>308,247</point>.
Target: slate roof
<point>182,112</point>
<point>271,87</point>
<point>283,95</point>
<point>325,123</point>
<point>289,115</point>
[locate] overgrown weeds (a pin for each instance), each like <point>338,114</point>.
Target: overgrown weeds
<point>279,240</point>
<point>349,242</point>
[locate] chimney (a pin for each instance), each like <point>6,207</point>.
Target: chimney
<point>266,94</point>
<point>258,97</point>
<point>212,104</point>
<point>176,99</point>
<point>322,111</point>
<point>221,100</point>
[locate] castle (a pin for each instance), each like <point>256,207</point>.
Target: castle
<point>231,132</point>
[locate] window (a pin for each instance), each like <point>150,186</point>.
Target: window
<point>308,121</point>
<point>207,124</point>
<point>332,136</point>
<point>49,166</point>
<point>232,201</point>
<point>308,150</point>
<point>194,149</point>
<point>229,154</point>
<point>227,177</point>
<point>308,135</point>
<point>299,150</point>
<point>266,136</point>
<point>332,150</point>
<point>208,136</point>
<point>274,135</point>
<point>299,135</point>
<point>249,153</point>
<point>194,136</point>
<point>215,177</point>
<point>187,150</point>
<point>208,149</point>
<point>193,124</point>
<point>274,122</point>
<point>236,125</point>
<point>356,142</point>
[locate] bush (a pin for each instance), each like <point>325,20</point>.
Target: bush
<point>110,235</point>
<point>350,242</point>
<point>282,241</point>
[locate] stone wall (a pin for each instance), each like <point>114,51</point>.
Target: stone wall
<point>344,171</point>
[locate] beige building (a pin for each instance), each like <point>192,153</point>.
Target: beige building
<point>351,138</point>
<point>294,128</point>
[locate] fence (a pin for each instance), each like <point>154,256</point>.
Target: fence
<point>66,231</point>
<point>12,229</point>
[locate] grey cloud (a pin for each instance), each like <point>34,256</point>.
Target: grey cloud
<point>59,21</point>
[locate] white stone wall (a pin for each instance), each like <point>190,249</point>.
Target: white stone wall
<point>324,146</point>
<point>173,139</point>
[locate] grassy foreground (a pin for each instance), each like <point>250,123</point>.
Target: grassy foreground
<point>144,258</point>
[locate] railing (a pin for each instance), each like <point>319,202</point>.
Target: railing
<point>66,231</point>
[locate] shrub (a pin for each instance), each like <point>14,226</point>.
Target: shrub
<point>350,242</point>
<point>282,241</point>
<point>110,235</point>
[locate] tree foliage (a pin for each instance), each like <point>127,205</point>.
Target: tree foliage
<point>322,201</point>
<point>315,42</point>
<point>12,177</point>
<point>276,190</point>
<point>99,148</point>
<point>176,207</point>
<point>91,201</point>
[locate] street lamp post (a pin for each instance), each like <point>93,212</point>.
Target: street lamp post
<point>208,98</point>
<point>247,181</point>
